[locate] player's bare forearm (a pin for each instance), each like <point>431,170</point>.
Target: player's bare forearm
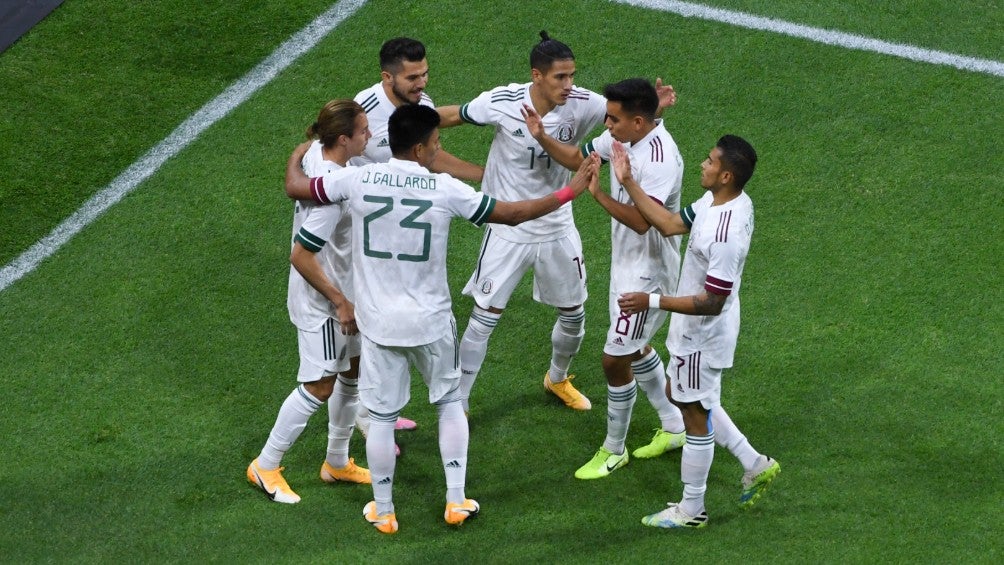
<point>623,213</point>
<point>297,183</point>
<point>566,155</point>
<point>456,167</point>
<point>513,213</point>
<point>704,304</point>
<point>449,116</point>
<point>666,222</point>
<point>305,263</point>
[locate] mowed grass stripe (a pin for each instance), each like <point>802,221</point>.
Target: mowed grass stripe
<point>181,137</point>
<point>825,36</point>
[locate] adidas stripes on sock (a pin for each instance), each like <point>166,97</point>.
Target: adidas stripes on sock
<point>620,402</point>
<point>298,407</point>
<point>566,338</point>
<point>650,372</point>
<point>342,408</point>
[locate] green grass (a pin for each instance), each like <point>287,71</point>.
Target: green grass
<point>146,360</point>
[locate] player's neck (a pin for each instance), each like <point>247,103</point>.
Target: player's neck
<point>335,154</point>
<point>724,194</point>
<point>540,104</point>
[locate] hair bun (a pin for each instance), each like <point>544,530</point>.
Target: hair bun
<point>544,36</point>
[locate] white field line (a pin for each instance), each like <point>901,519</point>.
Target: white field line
<point>298,44</point>
<point>828,37</point>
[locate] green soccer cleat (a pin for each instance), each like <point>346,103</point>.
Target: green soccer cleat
<point>756,481</point>
<point>602,464</point>
<point>673,517</point>
<point>662,442</point>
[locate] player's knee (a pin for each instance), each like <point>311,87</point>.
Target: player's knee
<point>481,324</point>
<point>321,389</point>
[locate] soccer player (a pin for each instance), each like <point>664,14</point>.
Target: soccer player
<point>705,321</point>
<point>641,259</point>
<point>319,300</point>
<point>401,216</point>
<point>404,74</point>
<point>519,168</point>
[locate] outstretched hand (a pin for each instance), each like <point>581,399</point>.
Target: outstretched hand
<point>666,93</point>
<point>621,163</point>
<point>587,175</point>
<point>534,123</point>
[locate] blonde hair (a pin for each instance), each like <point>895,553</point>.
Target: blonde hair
<point>337,117</point>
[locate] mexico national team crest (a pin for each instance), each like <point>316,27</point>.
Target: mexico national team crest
<point>564,133</point>
<point>486,286</point>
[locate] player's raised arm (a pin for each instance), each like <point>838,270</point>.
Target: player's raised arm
<point>667,96</point>
<point>456,167</point>
<point>566,155</point>
<point>449,116</point>
<point>513,213</point>
<point>668,223</point>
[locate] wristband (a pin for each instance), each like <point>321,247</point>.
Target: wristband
<point>565,195</point>
<point>653,301</point>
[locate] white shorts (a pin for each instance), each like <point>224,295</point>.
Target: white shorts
<point>693,381</point>
<point>325,352</point>
<point>559,271</point>
<point>629,333</point>
<point>385,373</point>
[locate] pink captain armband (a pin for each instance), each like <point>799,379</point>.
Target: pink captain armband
<point>565,195</point>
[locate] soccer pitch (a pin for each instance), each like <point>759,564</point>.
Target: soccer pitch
<point>146,356</point>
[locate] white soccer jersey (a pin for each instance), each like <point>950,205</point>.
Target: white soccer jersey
<point>401,216</point>
<point>649,261</point>
<point>378,110</point>
<point>716,253</point>
<point>313,227</point>
<point>517,166</point>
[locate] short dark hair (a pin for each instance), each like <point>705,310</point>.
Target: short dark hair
<point>545,53</point>
<point>395,51</point>
<point>738,157</point>
<point>636,96</point>
<point>409,125</point>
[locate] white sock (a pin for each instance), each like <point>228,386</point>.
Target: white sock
<point>381,459</point>
<point>473,348</point>
<point>695,464</point>
<point>454,436</point>
<point>566,338</point>
<point>342,407</point>
<point>620,401</point>
<point>728,436</point>
<point>298,407</point>
<point>650,373</point>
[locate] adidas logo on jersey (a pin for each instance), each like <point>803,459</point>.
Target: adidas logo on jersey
<point>618,341</point>
<point>518,133</point>
<point>383,143</point>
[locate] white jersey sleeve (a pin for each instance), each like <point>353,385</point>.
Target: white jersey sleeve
<point>517,167</point>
